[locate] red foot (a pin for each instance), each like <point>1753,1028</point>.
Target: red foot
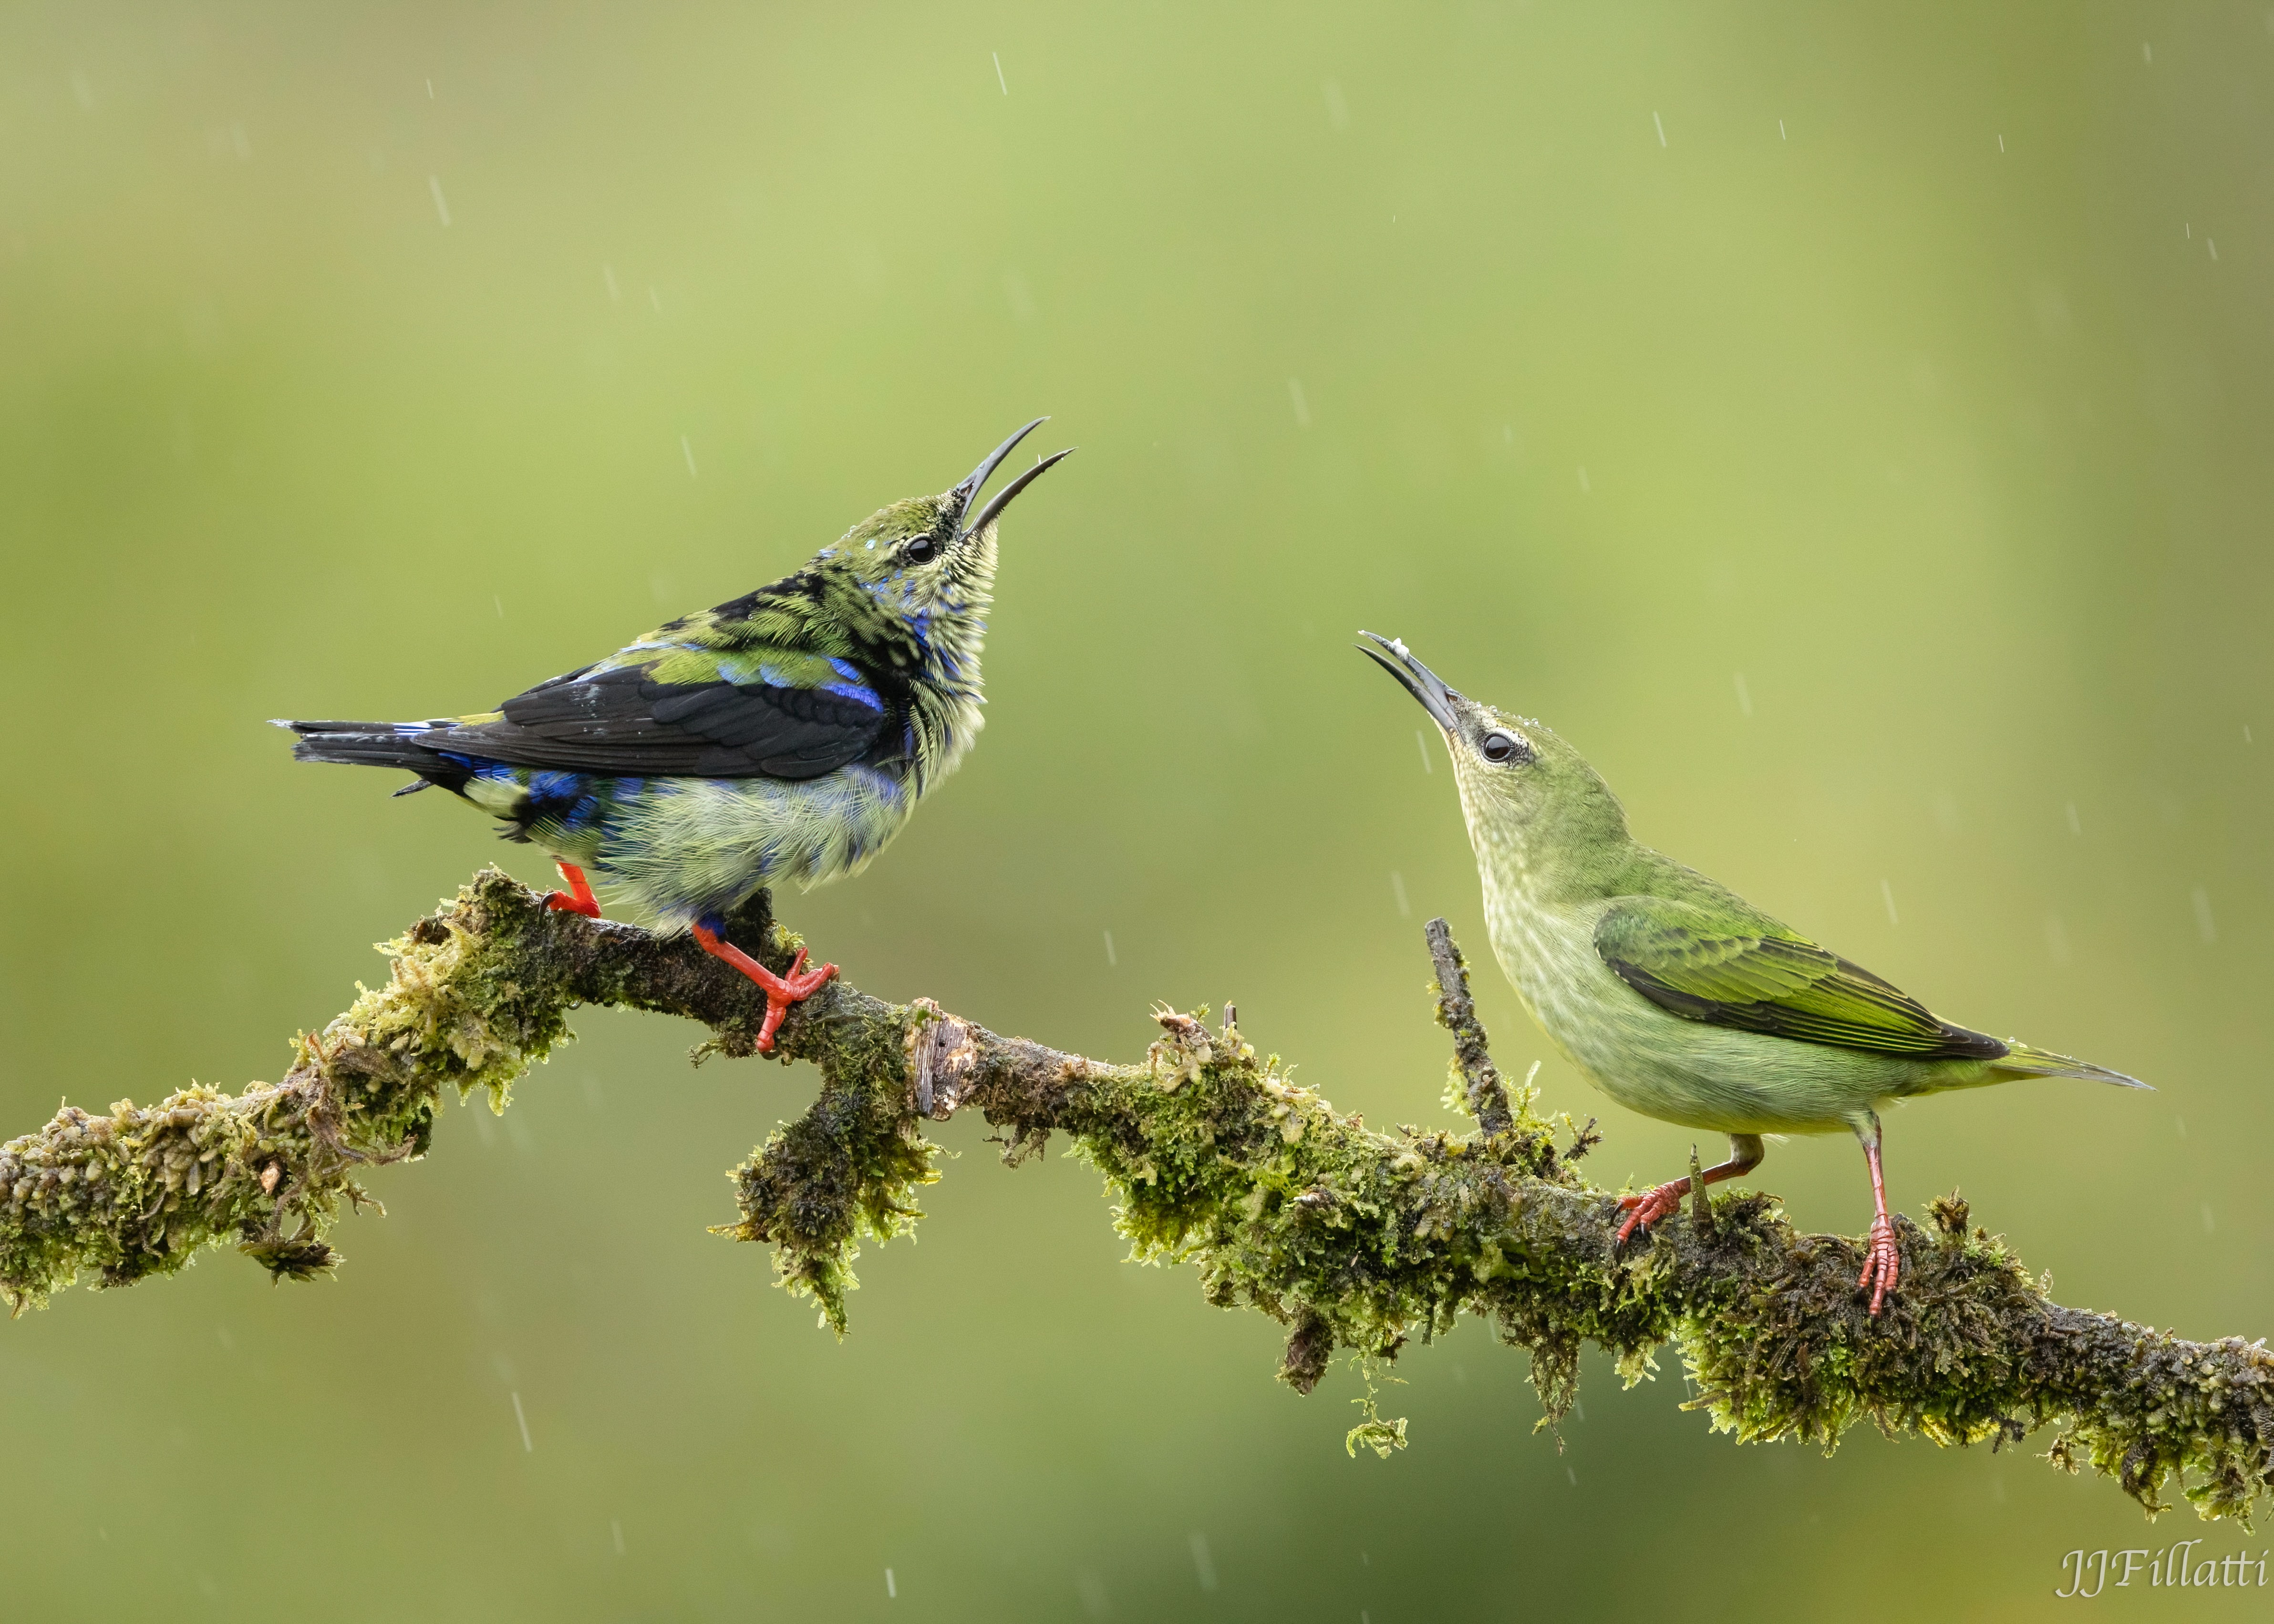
<point>781,991</point>
<point>1883,1262</point>
<point>1645,1210</point>
<point>578,899</point>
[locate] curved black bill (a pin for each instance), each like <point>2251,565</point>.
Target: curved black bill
<point>968,490</point>
<point>1416,679</point>
<point>994,509</point>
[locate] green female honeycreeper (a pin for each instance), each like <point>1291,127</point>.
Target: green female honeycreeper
<point>1672,994</point>
<point>784,735</point>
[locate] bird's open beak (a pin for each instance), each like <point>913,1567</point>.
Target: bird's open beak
<point>967,492</point>
<point>1417,679</point>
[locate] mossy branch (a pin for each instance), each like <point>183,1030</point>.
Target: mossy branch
<point>1352,1239</point>
<point>1481,1088</point>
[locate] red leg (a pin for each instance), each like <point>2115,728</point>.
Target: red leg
<point>781,991</point>
<point>578,899</point>
<point>1883,1260</point>
<point>1745,1153</point>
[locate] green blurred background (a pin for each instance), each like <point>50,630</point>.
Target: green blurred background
<point>1871,473</point>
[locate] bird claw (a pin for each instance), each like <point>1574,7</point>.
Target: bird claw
<point>781,991</point>
<point>1646,1209</point>
<point>1883,1263</point>
<point>578,899</point>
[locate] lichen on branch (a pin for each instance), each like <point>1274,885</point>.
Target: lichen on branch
<point>1353,1239</point>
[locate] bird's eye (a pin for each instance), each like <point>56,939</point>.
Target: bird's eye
<point>1500,747</point>
<point>922,550</point>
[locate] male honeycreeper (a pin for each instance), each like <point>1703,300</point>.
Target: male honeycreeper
<point>1672,994</point>
<point>784,735</point>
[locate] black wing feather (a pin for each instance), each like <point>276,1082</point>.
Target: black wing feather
<point>621,721</point>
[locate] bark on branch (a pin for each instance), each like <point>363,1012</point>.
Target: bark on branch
<point>1352,1239</point>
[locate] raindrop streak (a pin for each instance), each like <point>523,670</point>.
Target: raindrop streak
<point>1572,1475</point>
<point>893,1591</point>
<point>2183,1124</point>
<point>1111,963</point>
<point>2074,827</point>
<point>1745,694</point>
<point>1661,126</point>
<point>1781,136</point>
<point>608,280</point>
<point>1397,890</point>
<point>1584,488</point>
<point>1006,91</point>
<point>2203,921</point>
<point>2209,1223</point>
<point>430,90</point>
<point>1302,406</point>
<point>2001,143</point>
<point>689,450</point>
<point>2211,243</point>
<point>435,185</point>
<point>2245,733</point>
<point>500,602</point>
<point>1888,892</point>
<point>1203,1563</point>
<point>2147,54</point>
<point>527,1447</point>
<point>1422,740</point>
<point>1337,109</point>
<point>616,1530</point>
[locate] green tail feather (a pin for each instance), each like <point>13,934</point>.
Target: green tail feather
<point>2022,1061</point>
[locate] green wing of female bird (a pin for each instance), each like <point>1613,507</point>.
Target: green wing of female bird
<point>1733,966</point>
<point>1745,970</point>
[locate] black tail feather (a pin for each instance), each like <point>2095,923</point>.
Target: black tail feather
<point>375,744</point>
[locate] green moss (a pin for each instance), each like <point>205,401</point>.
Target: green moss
<point>461,1006</point>
<point>1352,1238</point>
<point>1384,1437</point>
<point>847,1169</point>
<point>2185,1430</point>
<point>138,1192</point>
<point>1355,1240</point>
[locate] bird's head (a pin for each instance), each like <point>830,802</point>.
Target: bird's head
<point>929,561</point>
<point>1528,796</point>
